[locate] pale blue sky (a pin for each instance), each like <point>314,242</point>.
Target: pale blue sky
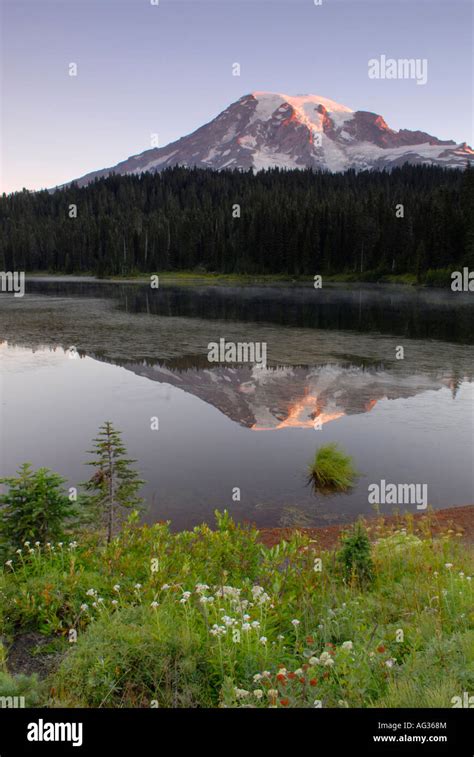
<point>167,69</point>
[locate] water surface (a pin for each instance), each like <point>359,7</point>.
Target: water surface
<point>142,354</point>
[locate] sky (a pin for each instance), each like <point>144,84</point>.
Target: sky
<point>166,69</point>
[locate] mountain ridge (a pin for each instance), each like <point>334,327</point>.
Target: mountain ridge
<point>263,130</point>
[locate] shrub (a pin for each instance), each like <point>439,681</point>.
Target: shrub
<point>35,508</point>
<point>12,688</point>
<point>355,555</point>
<point>134,657</point>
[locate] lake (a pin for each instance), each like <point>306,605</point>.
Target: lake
<point>332,375</point>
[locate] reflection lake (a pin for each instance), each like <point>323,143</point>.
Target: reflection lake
<point>331,361</point>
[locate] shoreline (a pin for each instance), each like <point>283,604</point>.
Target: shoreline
<point>459,519</point>
<point>189,278</point>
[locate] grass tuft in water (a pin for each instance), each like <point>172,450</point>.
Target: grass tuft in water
<point>332,470</point>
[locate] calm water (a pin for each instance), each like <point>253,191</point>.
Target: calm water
<point>331,355</point>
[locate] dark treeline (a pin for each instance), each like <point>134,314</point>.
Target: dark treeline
<point>291,222</point>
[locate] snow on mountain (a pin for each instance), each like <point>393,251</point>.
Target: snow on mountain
<point>265,129</point>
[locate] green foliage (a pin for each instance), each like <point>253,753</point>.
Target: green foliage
<point>212,617</point>
<point>355,555</point>
<point>115,484</point>
<point>29,687</point>
<point>438,278</point>
<point>332,470</point>
<point>35,508</point>
<point>136,657</point>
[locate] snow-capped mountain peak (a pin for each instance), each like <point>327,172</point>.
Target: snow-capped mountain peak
<point>267,129</point>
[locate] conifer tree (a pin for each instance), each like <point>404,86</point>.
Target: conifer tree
<point>115,484</point>
<point>35,508</point>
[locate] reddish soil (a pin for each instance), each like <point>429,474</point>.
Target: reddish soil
<point>458,520</point>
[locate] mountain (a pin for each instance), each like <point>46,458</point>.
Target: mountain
<point>265,130</point>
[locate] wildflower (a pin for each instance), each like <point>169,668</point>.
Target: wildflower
<point>295,623</point>
<point>381,648</point>
<point>114,602</point>
<point>200,588</point>
<point>26,544</point>
<point>284,702</point>
<point>60,544</point>
<point>246,626</point>
<point>117,587</point>
<point>309,640</point>
<point>37,543</point>
<point>272,693</point>
<point>94,604</point>
<point>186,594</point>
<point>347,645</point>
<point>246,617</point>
<point>266,674</point>
<point>461,574</point>
<point>9,563</point>
<point>241,693</point>
<point>72,545</point>
<point>281,677</point>
<point>91,592</point>
<point>100,599</point>
<point>31,551</point>
<point>280,637</point>
<point>255,624</point>
<point>448,565</point>
<point>390,662</point>
<point>258,693</point>
<point>313,682</point>
<point>263,640</point>
<point>468,578</point>
<point>164,587</point>
<point>299,672</point>
<point>138,587</point>
<point>84,607</point>
<point>18,551</point>
<point>314,660</point>
<point>257,677</point>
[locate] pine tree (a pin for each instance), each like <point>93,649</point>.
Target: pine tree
<point>115,484</point>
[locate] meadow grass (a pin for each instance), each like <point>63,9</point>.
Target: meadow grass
<point>209,618</point>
